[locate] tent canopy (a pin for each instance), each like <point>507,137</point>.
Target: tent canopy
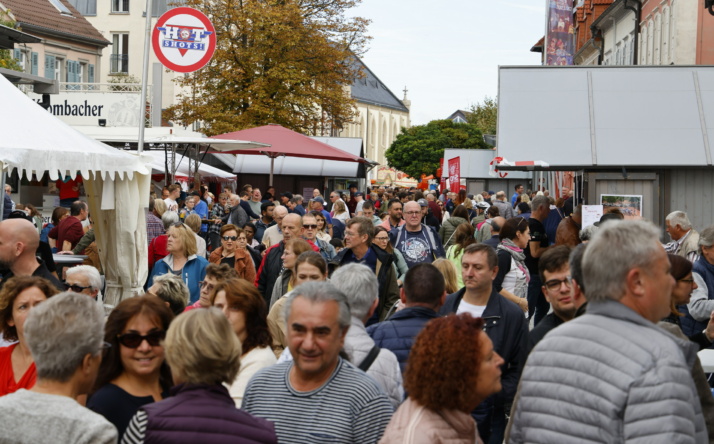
<point>158,166</point>
<point>580,117</point>
<point>285,142</point>
<point>302,166</point>
<point>34,141</point>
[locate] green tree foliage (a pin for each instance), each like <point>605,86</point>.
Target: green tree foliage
<point>418,150</point>
<point>484,115</point>
<point>276,61</point>
<point>7,60</point>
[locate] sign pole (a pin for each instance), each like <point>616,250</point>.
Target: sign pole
<point>144,78</point>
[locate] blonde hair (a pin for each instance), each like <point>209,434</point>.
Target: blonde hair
<point>448,270</point>
<point>525,198</point>
<point>194,222</point>
<point>159,207</point>
<point>339,207</point>
<point>202,348</point>
<point>188,239</point>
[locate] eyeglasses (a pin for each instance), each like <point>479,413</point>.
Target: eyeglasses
<point>179,225</point>
<point>554,284</point>
<point>413,213</point>
<point>134,340</point>
<point>230,238</point>
<point>205,284</point>
<point>382,238</point>
<point>309,226</point>
<point>76,288</point>
<point>687,280</point>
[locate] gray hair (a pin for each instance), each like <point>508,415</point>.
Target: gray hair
<point>169,218</point>
<point>321,292</point>
<point>618,247</point>
<point>172,290</point>
<point>679,218</point>
<point>539,201</point>
<point>281,209</point>
<point>61,331</point>
<point>587,233</point>
<point>359,283</point>
<point>706,238</point>
<point>92,274</point>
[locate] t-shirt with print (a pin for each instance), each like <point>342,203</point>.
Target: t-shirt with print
<point>415,247</point>
<point>537,235</point>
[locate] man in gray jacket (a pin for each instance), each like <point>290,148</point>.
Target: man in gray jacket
<point>359,283</point>
<point>612,375</point>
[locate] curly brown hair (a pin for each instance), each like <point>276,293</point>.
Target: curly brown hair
<point>450,348</point>
<point>10,290</point>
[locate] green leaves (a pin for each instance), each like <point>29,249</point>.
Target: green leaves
<point>418,150</point>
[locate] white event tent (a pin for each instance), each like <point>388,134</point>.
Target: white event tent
<point>116,182</point>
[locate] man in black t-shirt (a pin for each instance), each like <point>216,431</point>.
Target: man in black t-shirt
<point>540,207</point>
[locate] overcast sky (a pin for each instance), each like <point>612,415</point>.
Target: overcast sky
<point>447,53</point>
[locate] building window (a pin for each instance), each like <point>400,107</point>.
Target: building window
<point>21,58</point>
<point>120,6</point>
<point>34,63</point>
<point>61,7</point>
<point>85,7</point>
<point>120,54</point>
<point>50,62</point>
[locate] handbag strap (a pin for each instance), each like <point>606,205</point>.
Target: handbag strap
<point>371,356</point>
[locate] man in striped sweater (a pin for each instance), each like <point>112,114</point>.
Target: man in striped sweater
<point>318,397</point>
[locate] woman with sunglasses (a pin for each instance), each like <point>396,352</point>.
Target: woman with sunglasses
<point>234,253</point>
<point>287,279</point>
<point>182,260</point>
<point>133,372</point>
<point>18,297</point>
<point>245,309</point>
<point>322,233</point>
<point>513,277</point>
<point>381,239</point>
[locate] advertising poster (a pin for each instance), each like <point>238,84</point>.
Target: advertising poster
<point>455,174</point>
<point>559,44</point>
<point>630,205</point>
<point>591,214</point>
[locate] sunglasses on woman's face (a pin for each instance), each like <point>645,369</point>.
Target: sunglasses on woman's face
<point>134,340</point>
<point>230,238</point>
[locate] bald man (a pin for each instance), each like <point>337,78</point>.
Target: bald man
<point>18,246</point>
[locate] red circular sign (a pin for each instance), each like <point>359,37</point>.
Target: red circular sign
<point>184,39</point>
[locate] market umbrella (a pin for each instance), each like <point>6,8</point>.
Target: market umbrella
<point>285,142</point>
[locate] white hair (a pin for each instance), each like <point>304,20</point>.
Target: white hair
<point>359,283</point>
<point>92,274</point>
<point>679,218</point>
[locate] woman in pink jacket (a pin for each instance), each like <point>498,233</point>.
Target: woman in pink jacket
<point>439,409</point>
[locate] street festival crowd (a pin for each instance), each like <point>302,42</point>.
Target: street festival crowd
<point>391,316</point>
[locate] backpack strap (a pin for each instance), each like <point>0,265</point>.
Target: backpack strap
<point>371,356</point>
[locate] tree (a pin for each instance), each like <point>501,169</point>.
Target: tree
<point>485,115</point>
<point>7,60</point>
<point>418,150</point>
<point>276,61</point>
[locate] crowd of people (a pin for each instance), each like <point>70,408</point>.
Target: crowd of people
<point>391,316</point>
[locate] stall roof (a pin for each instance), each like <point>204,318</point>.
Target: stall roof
<point>475,163</point>
<point>158,166</point>
<point>302,166</point>
<point>607,116</point>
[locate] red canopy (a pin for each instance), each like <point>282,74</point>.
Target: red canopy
<point>285,142</point>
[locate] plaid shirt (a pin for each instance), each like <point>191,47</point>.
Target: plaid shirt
<point>217,212</point>
<point>154,227</point>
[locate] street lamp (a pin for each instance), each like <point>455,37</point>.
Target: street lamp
<point>709,4</point>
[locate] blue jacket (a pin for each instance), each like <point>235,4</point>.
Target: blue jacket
<point>193,272</point>
<point>397,334</point>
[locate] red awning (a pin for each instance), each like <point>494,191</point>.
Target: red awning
<point>285,142</point>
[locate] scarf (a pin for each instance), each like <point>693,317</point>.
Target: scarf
<point>517,254</point>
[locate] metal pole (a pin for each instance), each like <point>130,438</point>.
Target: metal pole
<point>144,78</point>
<point>272,164</point>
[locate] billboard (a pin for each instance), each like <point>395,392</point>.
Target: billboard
<point>559,44</point>
<point>86,108</point>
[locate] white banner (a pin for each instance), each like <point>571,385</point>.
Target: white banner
<point>86,108</point>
